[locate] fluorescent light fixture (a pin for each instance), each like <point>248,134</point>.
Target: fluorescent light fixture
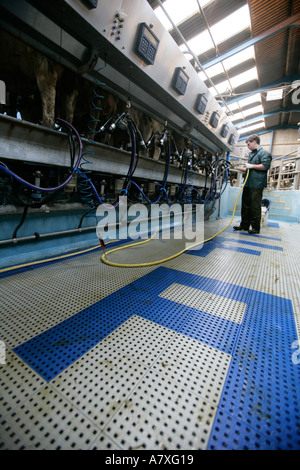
<point>273,95</point>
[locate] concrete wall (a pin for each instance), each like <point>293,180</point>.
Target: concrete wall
<point>285,205</point>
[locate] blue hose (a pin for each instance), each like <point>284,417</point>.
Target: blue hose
<point>162,186</point>
<point>55,188</point>
<point>86,189</point>
<point>84,183</point>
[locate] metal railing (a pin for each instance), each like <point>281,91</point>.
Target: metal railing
<point>284,173</point>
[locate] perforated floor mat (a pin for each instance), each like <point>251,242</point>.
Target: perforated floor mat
<point>200,353</point>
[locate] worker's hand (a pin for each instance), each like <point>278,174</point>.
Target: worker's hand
<point>241,168</point>
<point>249,166</point>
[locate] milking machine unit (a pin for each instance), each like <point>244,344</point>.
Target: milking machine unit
<point>165,141</point>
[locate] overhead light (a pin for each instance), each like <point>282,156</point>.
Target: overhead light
<point>273,95</point>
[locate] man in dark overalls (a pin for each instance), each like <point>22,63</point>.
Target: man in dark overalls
<point>259,162</point>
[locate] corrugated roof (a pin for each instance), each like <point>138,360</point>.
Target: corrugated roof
<point>277,56</point>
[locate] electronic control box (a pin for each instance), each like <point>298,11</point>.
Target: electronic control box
<point>180,81</point>
<point>214,120</point>
<point>224,130</point>
<point>231,139</point>
<point>146,44</point>
<point>201,103</point>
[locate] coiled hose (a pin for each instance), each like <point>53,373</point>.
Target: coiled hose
<point>162,189</point>
<point>86,189</point>
<point>138,265</point>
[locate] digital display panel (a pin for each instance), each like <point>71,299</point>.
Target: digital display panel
<point>201,103</point>
<point>225,130</point>
<point>231,140</point>
<point>214,120</point>
<point>180,81</point>
<point>146,44</point>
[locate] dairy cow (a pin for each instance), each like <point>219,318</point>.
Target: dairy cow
<point>41,89</point>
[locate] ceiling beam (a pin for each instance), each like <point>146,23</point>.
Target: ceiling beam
<point>292,21</point>
<point>266,131</point>
<point>282,81</point>
<point>263,116</point>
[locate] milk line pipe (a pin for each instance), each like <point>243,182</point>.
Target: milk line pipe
<point>76,169</point>
<point>38,188</point>
<point>61,257</point>
<point>37,236</point>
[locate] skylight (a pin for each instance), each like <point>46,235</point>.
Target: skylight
<point>222,88</point>
<point>256,98</point>
<point>240,117</point>
<point>233,106</point>
<point>238,58</point>
<point>254,127</point>
<point>234,82</point>
<point>239,20</point>
<point>236,117</point>
<point>228,64</point>
<point>200,43</point>
<point>211,71</point>
<point>178,11</point>
<point>231,25</point>
<point>246,124</point>
<point>244,77</point>
<point>254,110</point>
